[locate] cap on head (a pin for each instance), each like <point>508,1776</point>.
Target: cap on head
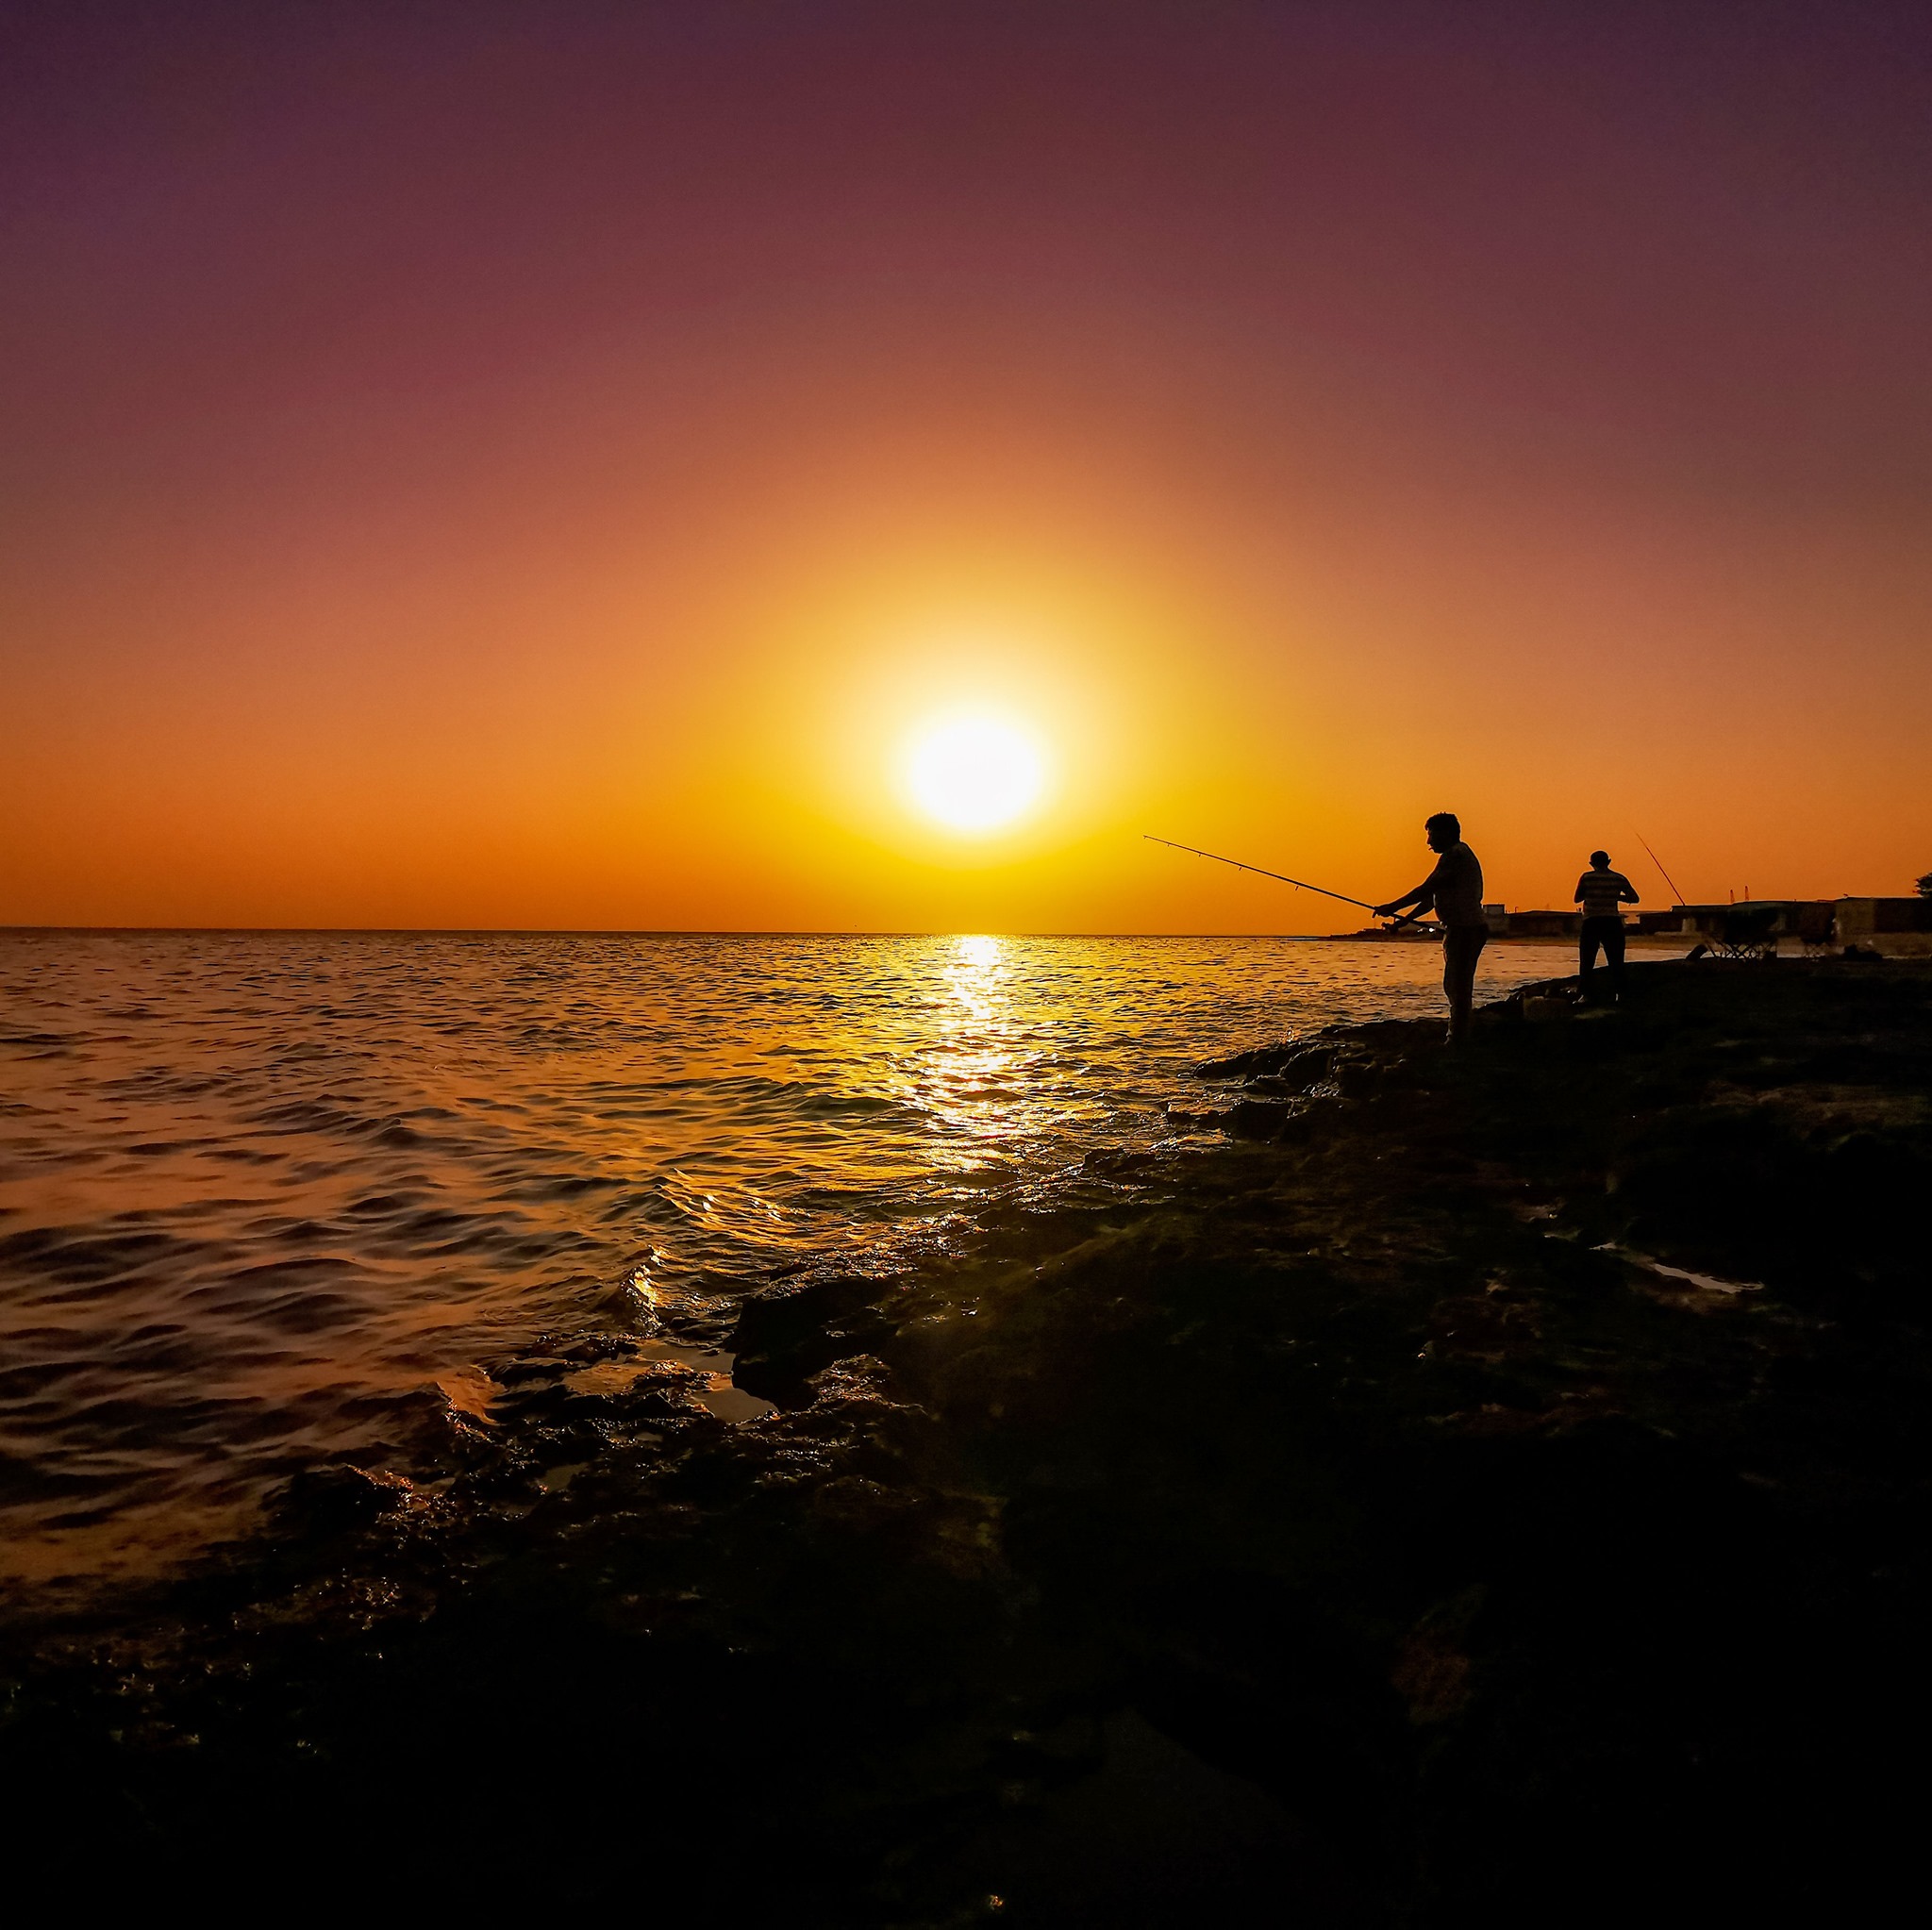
<point>1599,857</point>
<point>1445,822</point>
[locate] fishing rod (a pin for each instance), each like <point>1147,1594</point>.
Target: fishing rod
<point>1659,863</point>
<point>1282,877</point>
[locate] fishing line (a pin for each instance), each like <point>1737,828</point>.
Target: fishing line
<point>1281,878</point>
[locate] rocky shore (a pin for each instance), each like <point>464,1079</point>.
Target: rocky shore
<point>1492,1485</point>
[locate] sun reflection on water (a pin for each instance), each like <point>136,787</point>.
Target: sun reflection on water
<point>969,1075</point>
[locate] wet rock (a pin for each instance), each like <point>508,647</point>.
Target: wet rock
<point>341,1498</point>
<point>791,1330</point>
<point>531,1368</point>
<point>1295,1065</point>
<point>1259,1119</point>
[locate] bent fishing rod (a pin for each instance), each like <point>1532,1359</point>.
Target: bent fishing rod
<point>1281,878</point>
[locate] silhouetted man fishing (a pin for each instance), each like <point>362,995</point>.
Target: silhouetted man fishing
<point>1455,891</point>
<point>1603,893</point>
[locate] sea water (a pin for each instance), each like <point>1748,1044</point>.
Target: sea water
<point>261,1191</point>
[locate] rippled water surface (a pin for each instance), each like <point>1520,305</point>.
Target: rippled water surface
<point>258,1190</point>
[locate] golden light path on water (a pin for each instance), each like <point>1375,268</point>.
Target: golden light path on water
<point>968,1071</point>
<point>268,1198</point>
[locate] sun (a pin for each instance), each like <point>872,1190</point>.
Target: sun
<point>973,773</point>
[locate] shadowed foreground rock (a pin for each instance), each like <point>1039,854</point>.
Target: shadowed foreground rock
<point>1493,1486</point>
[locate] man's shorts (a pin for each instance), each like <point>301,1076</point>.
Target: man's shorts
<point>1462,945</point>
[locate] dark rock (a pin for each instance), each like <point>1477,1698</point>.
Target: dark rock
<point>1296,1064</point>
<point>339,1499</point>
<point>789,1331</point>
<point>1259,1119</point>
<point>516,1374</point>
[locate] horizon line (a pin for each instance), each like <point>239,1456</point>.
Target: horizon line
<point>572,931</point>
<point>636,931</point>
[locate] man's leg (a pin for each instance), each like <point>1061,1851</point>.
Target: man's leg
<point>1462,945</point>
<point>1585,955</point>
<point>1613,957</point>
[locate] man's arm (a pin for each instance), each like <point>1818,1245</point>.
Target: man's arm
<point>1628,893</point>
<point>1422,899</point>
<point>1580,883</point>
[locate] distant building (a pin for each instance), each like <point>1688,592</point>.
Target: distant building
<point>1893,927</point>
<point>1541,925</point>
<point>1807,920</point>
<point>1665,923</point>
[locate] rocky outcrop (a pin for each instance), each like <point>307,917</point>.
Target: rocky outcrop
<point>1494,1486</point>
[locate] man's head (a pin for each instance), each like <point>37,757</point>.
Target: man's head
<point>1599,861</point>
<point>1444,831</point>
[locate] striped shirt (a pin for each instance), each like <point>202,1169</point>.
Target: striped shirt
<point>1603,894</point>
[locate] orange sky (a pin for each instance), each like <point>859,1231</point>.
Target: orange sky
<point>535,469</point>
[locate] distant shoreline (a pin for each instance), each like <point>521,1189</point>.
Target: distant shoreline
<point>1649,940</point>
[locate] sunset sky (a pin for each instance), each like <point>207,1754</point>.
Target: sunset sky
<point>547,465</point>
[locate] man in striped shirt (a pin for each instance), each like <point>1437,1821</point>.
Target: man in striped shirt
<point>1603,893</point>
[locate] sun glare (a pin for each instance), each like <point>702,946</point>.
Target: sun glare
<point>973,773</point>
